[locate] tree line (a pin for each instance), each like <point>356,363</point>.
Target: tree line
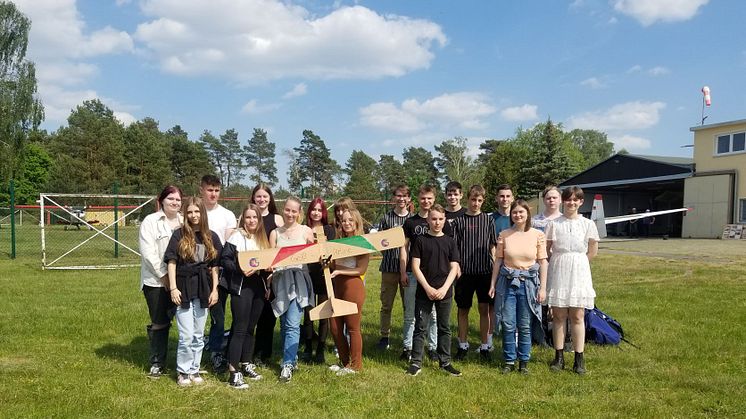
<point>95,151</point>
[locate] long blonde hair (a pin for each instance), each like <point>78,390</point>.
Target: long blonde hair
<point>355,214</point>
<point>188,244</point>
<point>259,236</point>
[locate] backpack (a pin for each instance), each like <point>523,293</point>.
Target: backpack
<point>602,329</point>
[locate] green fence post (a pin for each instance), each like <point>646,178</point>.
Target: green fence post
<point>116,217</point>
<point>12,220</point>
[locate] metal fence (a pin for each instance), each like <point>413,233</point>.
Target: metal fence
<point>86,231</point>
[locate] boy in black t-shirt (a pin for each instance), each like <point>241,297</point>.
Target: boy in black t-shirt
<point>414,227</point>
<point>435,260</point>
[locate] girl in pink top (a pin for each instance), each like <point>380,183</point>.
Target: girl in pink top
<point>521,265</point>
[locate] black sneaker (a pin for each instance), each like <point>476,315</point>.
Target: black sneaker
<point>237,382</point>
<point>484,355</point>
<point>413,370</point>
<point>383,344</point>
<point>406,355</point>
<point>450,370</point>
<point>432,354</point>
<point>249,371</point>
<point>508,368</point>
<point>461,354</point>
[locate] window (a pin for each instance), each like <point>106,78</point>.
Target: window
<point>742,212</point>
<point>730,143</point>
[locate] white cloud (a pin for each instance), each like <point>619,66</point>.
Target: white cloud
<point>299,89</point>
<point>520,113</point>
<point>625,116</point>
<point>124,117</point>
<point>389,116</point>
<point>462,109</point>
<point>61,100</point>
<point>648,12</point>
<point>630,143</point>
<point>59,32</point>
<point>59,44</point>
<point>634,69</point>
<point>593,83</point>
<point>658,71</point>
<point>253,107</point>
<point>255,40</point>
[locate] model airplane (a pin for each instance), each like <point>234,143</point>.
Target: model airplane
<point>324,252</point>
<point>597,215</point>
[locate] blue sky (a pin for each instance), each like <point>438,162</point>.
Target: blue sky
<point>379,76</point>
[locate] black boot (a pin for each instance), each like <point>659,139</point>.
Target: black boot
<point>320,350</point>
<point>523,367</point>
<point>579,366</point>
<point>559,360</point>
<point>307,354</point>
<point>159,346</point>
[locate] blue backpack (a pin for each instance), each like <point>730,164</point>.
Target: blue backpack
<point>602,329</point>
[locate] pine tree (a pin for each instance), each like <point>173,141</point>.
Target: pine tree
<point>89,152</point>
<point>148,157</point>
<point>233,158</point>
<point>550,161</point>
<point>189,160</point>
<point>259,155</point>
<point>390,174</point>
<point>362,183</point>
<point>316,165</point>
<point>419,164</point>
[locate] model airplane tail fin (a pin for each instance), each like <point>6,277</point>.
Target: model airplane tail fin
<point>597,215</point>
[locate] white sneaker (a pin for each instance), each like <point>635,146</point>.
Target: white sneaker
<point>287,373</point>
<point>183,380</point>
<point>346,371</point>
<point>197,379</point>
<point>335,368</point>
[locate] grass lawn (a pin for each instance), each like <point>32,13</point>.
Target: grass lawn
<point>72,344</point>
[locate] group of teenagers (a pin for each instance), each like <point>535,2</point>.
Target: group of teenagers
<point>521,268</point>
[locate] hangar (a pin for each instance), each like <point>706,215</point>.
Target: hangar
<point>630,182</point>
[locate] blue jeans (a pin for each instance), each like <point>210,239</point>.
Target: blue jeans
<point>516,314</point>
<point>290,332</point>
<point>217,322</point>
<point>408,327</point>
<point>191,324</point>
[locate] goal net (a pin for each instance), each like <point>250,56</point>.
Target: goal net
<point>88,231</point>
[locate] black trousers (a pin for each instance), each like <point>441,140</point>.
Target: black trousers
<point>161,311</point>
<point>422,310</point>
<point>246,310</point>
<point>265,328</point>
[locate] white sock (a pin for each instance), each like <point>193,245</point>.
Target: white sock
<point>463,345</point>
<point>484,347</point>
<point>489,341</point>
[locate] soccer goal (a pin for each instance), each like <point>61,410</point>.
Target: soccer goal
<point>89,231</point>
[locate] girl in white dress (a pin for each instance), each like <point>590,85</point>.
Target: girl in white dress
<point>573,242</point>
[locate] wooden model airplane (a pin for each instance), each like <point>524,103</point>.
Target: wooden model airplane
<point>324,251</point>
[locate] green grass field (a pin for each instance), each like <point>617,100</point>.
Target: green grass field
<point>72,344</point>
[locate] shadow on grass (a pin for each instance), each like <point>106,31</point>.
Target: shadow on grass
<point>136,353</point>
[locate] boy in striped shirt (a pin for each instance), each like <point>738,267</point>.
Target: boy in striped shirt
<point>390,263</point>
<point>476,240</point>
